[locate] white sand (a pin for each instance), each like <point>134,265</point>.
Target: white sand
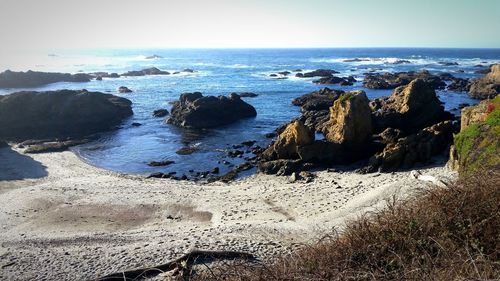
<point>62,219</point>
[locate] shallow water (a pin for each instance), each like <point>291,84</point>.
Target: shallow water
<point>220,72</point>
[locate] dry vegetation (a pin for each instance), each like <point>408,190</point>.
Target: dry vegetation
<point>445,233</point>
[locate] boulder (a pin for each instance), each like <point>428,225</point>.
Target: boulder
<point>30,79</point>
<point>296,134</point>
<point>394,80</point>
<point>350,120</point>
<point>124,90</point>
<point>160,112</point>
<point>409,108</point>
<point>317,73</point>
<point>487,86</point>
<point>146,71</point>
<point>246,95</point>
<point>60,114</point>
<point>280,167</point>
<point>332,80</point>
<point>415,148</point>
<point>193,110</point>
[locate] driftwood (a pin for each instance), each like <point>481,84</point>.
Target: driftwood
<point>181,265</point>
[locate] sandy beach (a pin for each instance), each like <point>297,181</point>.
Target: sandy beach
<point>63,219</point>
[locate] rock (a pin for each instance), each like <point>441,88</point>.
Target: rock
<point>459,85</point>
<point>247,95</point>
<point>215,170</point>
<point>409,108</point>
<point>317,73</point>
<point>284,73</point>
<point>146,71</point>
<point>323,153</point>
<point>390,135</point>
<point>476,145</point>
<point>60,114</point>
<point>159,175</point>
<point>188,70</point>
<point>474,114</point>
<point>98,78</point>
<point>487,86</point>
<point>123,89</point>
<point>355,60</point>
<point>249,143</point>
<point>136,124</point>
<point>186,150</point>
<point>193,110</point>
<point>286,146</point>
<point>152,57</point>
<point>350,120</point>
<point>160,163</point>
<point>282,167</point>
<point>270,135</point>
<point>30,79</point>
<point>51,146</point>
<point>273,75</point>
<point>448,63</point>
<point>394,80</point>
<point>331,80</point>
<point>413,149</point>
<point>401,62</point>
<point>160,112</point>
<point>319,100</point>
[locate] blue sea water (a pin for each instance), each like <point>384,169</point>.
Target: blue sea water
<point>220,72</point>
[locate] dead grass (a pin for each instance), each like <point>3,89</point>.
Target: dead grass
<point>446,233</point>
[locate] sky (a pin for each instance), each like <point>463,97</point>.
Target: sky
<point>68,24</point>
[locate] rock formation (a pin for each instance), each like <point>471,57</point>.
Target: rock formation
<point>59,114</point>
<point>30,79</point>
<point>146,71</point>
<point>286,147</point>
<point>394,80</point>
<point>487,86</point>
<point>193,110</point>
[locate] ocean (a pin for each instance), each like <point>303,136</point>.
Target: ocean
<point>220,72</point>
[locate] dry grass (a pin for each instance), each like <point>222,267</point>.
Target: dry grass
<point>450,233</point>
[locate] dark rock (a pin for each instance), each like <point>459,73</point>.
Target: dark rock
<point>401,62</point>
<point>235,153</point>
<point>193,110</point>
<point>284,167</point>
<point>273,75</point>
<point>244,167</point>
<point>123,89</point>
<point>153,57</point>
<point>60,114</point>
<point>249,143</point>
<point>186,151</point>
<point>160,163</point>
<point>448,63</point>
<point>247,95</point>
<point>98,78</point>
<point>135,124</point>
<point>29,79</point>
<point>159,175</point>
<point>355,60</point>
<point>160,113</point>
<point>146,71</point>
<point>415,148</point>
<point>459,85</point>
<point>215,170</point>
<point>270,135</point>
<point>188,70</point>
<point>394,80</point>
<point>330,80</point>
<point>51,146</point>
<point>318,73</point>
<point>284,73</point>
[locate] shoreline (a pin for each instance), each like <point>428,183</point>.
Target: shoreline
<point>65,219</point>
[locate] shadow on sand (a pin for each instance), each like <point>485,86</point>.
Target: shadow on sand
<point>15,166</point>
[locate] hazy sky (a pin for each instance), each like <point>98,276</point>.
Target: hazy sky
<point>37,24</point>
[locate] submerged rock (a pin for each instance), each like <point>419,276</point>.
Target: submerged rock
<point>29,79</point>
<point>123,90</point>
<point>160,112</point>
<point>160,163</point>
<point>60,114</point>
<point>193,110</point>
<point>487,86</point>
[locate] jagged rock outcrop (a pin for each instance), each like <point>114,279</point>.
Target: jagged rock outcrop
<point>415,148</point>
<point>315,107</point>
<point>60,114</point>
<point>350,120</point>
<point>296,134</point>
<point>317,73</point>
<point>160,112</point>
<point>193,110</point>
<point>487,86</point>
<point>394,80</point>
<point>409,108</point>
<point>30,79</point>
